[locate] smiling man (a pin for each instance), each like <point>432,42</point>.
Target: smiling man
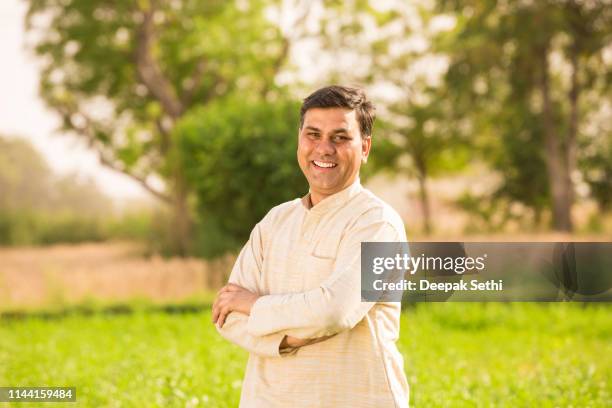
<point>294,298</point>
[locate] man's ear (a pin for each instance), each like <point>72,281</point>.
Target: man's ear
<point>366,145</point>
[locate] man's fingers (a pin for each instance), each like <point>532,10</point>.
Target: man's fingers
<point>223,316</point>
<point>215,311</point>
<point>222,305</point>
<point>221,308</point>
<point>216,308</point>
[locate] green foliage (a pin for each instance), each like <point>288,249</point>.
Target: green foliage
<point>25,177</point>
<point>425,143</point>
<point>194,51</point>
<point>495,79</point>
<point>596,161</point>
<point>518,157</point>
<point>27,183</point>
<point>240,159</point>
<point>494,355</point>
<point>70,228</point>
<point>32,227</point>
<point>134,224</point>
<point>40,208</point>
<point>122,74</point>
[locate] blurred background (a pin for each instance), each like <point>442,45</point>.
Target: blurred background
<point>140,142</point>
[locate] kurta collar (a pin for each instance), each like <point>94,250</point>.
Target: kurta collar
<point>334,200</point>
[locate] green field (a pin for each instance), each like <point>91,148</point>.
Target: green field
<point>456,354</point>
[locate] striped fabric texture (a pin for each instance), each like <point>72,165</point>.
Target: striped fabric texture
<point>305,263</point>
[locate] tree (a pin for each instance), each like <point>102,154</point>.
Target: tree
<point>123,74</point>
<point>244,166</point>
<point>521,77</point>
<point>39,207</point>
<point>419,141</point>
<point>25,177</point>
<point>389,48</point>
<point>501,70</point>
<point>28,183</point>
<point>596,161</point>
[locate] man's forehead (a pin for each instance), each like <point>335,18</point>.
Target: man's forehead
<point>330,117</point>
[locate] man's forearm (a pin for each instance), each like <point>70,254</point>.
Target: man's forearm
<point>235,331</point>
<point>272,345</point>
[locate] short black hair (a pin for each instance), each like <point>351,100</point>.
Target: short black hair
<point>336,96</point>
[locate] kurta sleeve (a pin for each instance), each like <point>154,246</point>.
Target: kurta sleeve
<point>246,272</point>
<point>336,304</point>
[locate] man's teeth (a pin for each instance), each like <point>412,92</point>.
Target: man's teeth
<point>323,164</point>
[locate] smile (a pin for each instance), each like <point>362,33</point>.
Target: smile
<point>325,165</point>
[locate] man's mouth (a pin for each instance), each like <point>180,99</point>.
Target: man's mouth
<point>324,165</point>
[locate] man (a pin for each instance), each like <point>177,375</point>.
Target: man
<point>294,297</point>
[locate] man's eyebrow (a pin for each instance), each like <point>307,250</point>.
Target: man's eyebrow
<point>335,131</point>
<point>340,130</point>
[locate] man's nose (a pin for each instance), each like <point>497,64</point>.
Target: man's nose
<point>325,147</point>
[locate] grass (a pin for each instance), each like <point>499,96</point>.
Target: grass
<point>456,354</point>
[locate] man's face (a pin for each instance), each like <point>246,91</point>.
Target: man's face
<point>331,150</point>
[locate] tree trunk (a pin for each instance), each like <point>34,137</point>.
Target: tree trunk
<point>570,146</point>
<point>556,161</point>
<point>182,223</point>
<point>424,199</point>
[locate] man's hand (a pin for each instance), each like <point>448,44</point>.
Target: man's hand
<point>232,298</point>
<point>294,342</point>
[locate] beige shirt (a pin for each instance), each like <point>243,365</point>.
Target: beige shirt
<point>306,264</point>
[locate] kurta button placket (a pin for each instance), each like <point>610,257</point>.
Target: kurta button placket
<point>310,224</point>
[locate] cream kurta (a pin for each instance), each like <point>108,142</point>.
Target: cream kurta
<point>306,263</point>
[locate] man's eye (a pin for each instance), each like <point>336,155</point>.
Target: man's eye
<point>340,138</point>
<point>313,135</point>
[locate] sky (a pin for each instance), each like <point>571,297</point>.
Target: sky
<point>23,113</point>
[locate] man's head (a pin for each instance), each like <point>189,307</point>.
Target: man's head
<point>334,139</point>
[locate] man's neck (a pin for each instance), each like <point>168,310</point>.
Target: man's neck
<point>316,197</point>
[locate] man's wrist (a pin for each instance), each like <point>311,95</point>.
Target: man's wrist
<point>295,342</point>
<point>252,302</point>
<point>284,348</point>
<point>283,344</point>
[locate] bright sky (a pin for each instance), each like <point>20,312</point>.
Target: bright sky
<point>23,114</point>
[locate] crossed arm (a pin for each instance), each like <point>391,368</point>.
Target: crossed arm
<point>235,298</point>
<point>267,324</point>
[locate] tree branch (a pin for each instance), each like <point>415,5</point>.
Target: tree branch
<point>141,180</point>
<point>149,71</point>
<point>88,131</point>
<point>164,145</point>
